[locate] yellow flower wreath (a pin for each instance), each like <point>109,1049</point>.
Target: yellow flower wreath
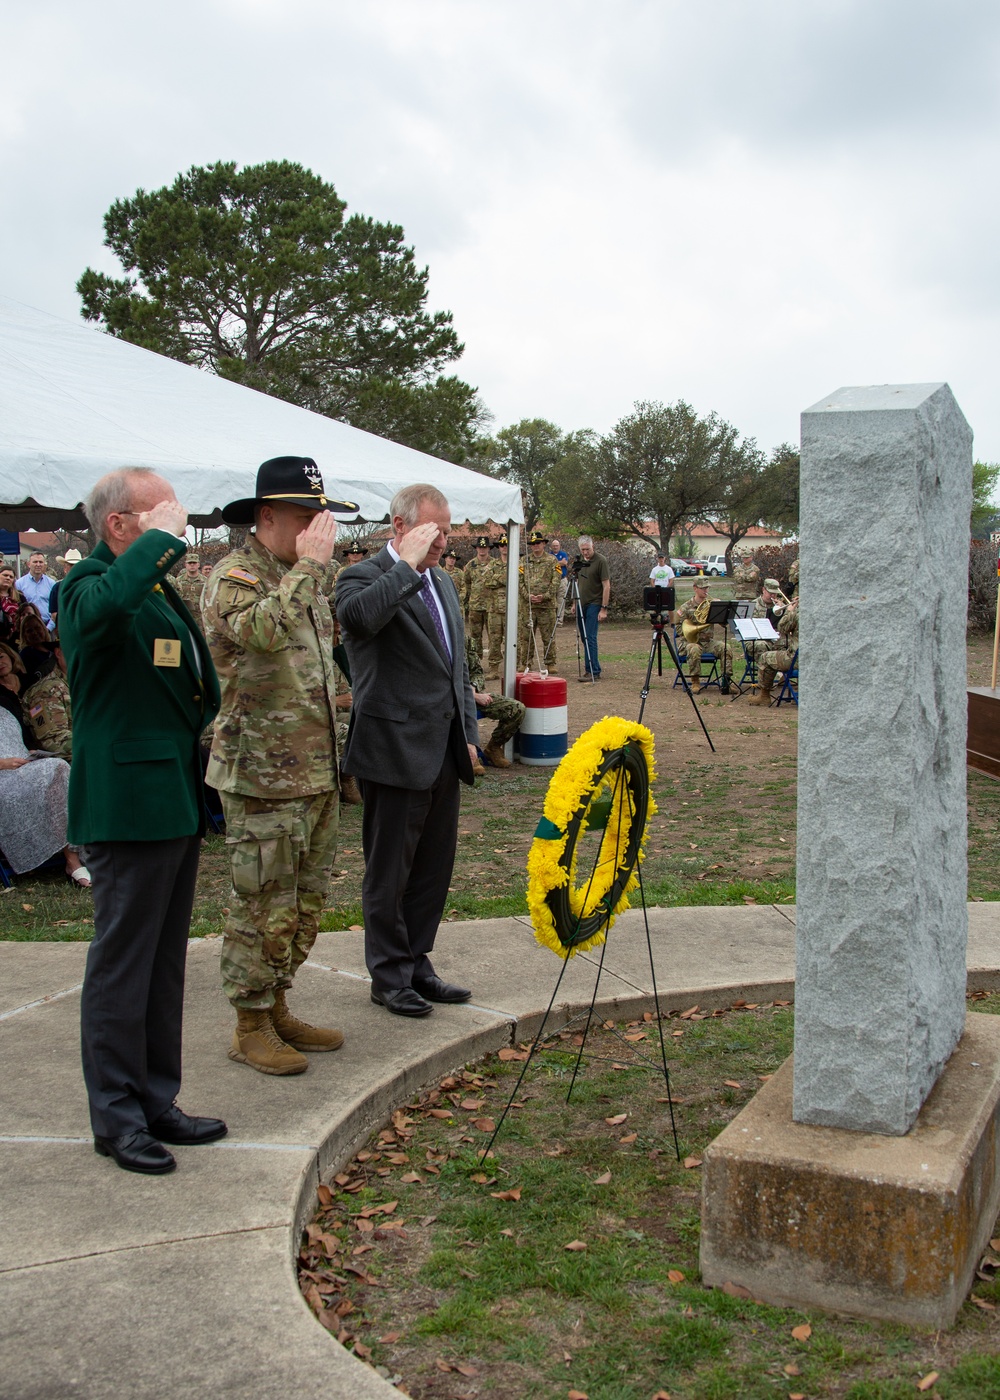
<point>577,786</point>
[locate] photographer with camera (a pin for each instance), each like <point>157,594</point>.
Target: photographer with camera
<point>591,593</point>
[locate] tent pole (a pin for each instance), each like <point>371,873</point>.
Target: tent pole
<point>510,632</point>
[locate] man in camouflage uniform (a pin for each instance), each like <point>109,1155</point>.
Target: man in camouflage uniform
<point>449,563</point>
<point>793,576</point>
<point>746,579</point>
<point>190,585</point>
<point>274,758</point>
<point>476,598</point>
<point>508,712</point>
<point>495,585</point>
<point>781,658</point>
<point>692,612</point>
<point>769,606</point>
<point>540,580</point>
<point>47,708</point>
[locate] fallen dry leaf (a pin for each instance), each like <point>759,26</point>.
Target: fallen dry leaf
<point>618,1119</point>
<point>412,1179</point>
<point>441,1113</point>
<point>732,1084</point>
<point>686,1015</point>
<point>609,1025</point>
<point>628,1138</point>
<point>576,1395</point>
<point>364,1226</point>
<point>927,1381</point>
<point>604,1180</point>
<point>662,1395</point>
<point>356,928</point>
<point>480,1178</point>
<point>635,1036</point>
<point>692,1162</point>
<point>361,1350</point>
<point>509,1054</point>
<point>472,1105</point>
<point>982,1303</point>
<point>575,1246</point>
<point>995,1245</point>
<point>27,908</point>
<point>485,1125</point>
<point>463,1368</point>
<point>324,1194</point>
<point>514,1194</point>
<point>796,1395</point>
<point>675,1276</point>
<point>736,1290</point>
<point>803,1332</point>
<point>508,1233</point>
<point>791,1369</point>
<point>390,1337</point>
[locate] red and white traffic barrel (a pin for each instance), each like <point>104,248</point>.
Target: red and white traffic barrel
<point>542,738</point>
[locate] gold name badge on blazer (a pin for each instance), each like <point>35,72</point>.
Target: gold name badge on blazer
<point>166,651</point>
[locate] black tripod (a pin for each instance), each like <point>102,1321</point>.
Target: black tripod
<point>581,631</point>
<point>659,601</point>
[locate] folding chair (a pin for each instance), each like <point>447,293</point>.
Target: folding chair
<point>790,684</point>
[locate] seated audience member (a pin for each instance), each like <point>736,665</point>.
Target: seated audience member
<point>33,806</point>
<point>36,585</point>
<point>508,712</point>
<point>33,643</point>
<point>11,674</point>
<point>9,599</point>
<point>46,706</point>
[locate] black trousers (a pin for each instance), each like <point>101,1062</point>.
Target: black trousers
<point>409,837</point>
<point>133,988</point>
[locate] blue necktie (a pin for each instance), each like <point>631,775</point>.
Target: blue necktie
<point>430,603</point>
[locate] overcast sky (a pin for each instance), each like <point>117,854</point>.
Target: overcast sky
<point>742,203</point>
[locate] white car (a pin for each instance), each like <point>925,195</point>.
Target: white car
<point>714,564</point>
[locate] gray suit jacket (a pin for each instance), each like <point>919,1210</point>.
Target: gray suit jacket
<point>410,699</point>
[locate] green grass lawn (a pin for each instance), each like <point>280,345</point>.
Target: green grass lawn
<point>453,1275</point>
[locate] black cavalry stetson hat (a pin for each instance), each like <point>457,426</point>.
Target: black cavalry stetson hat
<point>297,480</point>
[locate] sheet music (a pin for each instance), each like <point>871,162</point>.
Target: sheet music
<point>755,629</point>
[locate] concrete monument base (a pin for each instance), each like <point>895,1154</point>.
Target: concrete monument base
<point>879,1227</point>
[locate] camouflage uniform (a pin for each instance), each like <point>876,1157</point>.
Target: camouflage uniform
<point>477,600</point>
<point>508,712</point>
<point>47,711</point>
<point>343,720</point>
<point>495,586</point>
<point>793,575</point>
<point>538,576</point>
<point>781,659</point>
<point>273,761</point>
<point>693,650</point>
<point>747,579</point>
<point>191,591</point>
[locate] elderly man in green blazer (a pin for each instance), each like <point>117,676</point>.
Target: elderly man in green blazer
<point>143,689</point>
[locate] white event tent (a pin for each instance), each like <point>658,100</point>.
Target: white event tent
<point>76,403</point>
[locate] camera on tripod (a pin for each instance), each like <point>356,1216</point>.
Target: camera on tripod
<point>578,563</point>
<point>659,598</point>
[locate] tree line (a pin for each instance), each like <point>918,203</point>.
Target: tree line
<point>259,274</point>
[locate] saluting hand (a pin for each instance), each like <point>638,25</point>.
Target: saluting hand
<point>316,540</point>
<point>414,545</point>
<point>165,515</point>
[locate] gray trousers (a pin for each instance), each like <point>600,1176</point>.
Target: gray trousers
<point>133,988</point>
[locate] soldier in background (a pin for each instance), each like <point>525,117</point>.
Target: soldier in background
<point>495,584</point>
<point>694,612</point>
<point>274,758</point>
<point>353,554</point>
<point>476,598</point>
<point>508,712</point>
<point>449,562</point>
<point>746,579</point>
<point>190,584</point>
<point>782,656</point>
<point>793,577</point>
<point>540,580</point>
<point>206,571</point>
<point>47,709</point>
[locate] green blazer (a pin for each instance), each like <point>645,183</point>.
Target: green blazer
<point>136,773</point>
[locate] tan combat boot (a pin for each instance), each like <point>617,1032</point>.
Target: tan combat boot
<point>763,696</point>
<point>477,768</point>
<point>299,1034</point>
<point>695,683</point>
<point>349,790</point>
<point>496,756</point>
<point>255,1043</point>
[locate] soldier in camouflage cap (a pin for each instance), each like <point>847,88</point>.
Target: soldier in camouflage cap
<point>540,580</point>
<point>495,586</point>
<point>274,759</point>
<point>190,584</point>
<point>746,579</point>
<point>477,600</point>
<point>508,712</point>
<point>783,656</point>
<point>47,709</point>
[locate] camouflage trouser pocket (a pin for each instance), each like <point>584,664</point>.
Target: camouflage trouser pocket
<point>260,847</point>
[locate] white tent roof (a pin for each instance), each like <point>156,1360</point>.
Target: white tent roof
<point>76,403</point>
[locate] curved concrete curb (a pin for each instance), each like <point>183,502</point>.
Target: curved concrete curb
<point>185,1285</point>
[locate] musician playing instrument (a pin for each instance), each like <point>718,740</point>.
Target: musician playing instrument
<point>695,635</point>
<point>783,656</point>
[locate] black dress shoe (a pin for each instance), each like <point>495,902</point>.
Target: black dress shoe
<point>136,1152</point>
<point>402,1001</point>
<point>180,1128</point>
<point>433,989</point>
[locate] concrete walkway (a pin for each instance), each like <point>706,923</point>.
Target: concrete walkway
<point>116,1285</point>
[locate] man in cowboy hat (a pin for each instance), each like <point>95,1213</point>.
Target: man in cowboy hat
<point>354,553</point>
<point>274,757</point>
<point>540,579</point>
<point>67,560</point>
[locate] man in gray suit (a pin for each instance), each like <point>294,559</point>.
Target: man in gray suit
<point>412,737</point>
